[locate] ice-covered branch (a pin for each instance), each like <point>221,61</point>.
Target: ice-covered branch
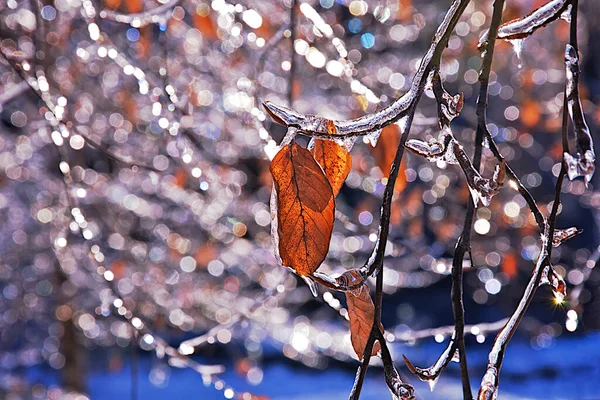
<point>522,27</point>
<point>157,15</point>
<point>312,125</point>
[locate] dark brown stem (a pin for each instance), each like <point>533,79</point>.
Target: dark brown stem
<point>464,243</point>
<point>292,54</point>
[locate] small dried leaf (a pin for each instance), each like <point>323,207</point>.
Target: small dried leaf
<point>361,311</point>
<point>305,209</point>
<point>385,151</point>
<point>335,161</point>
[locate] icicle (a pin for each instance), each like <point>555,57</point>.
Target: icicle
<point>562,235</point>
<point>373,137</point>
<point>581,164</point>
<point>433,382</point>
<point>566,15</point>
<point>517,45</point>
<point>311,285</point>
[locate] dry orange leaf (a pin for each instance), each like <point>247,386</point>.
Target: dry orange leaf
<point>134,6</point>
<point>335,161</point>
<point>206,26</point>
<point>361,311</point>
<point>509,264</point>
<point>385,152</point>
<point>112,4</point>
<point>181,177</point>
<point>530,113</point>
<point>305,209</point>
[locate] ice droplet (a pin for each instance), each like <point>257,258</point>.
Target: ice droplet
<point>517,45</point>
<point>566,15</point>
<point>312,285</point>
<point>559,287</point>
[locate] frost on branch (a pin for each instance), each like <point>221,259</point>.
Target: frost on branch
<point>583,162</point>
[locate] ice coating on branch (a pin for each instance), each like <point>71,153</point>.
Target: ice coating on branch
<point>398,389</point>
<point>274,232</point>
<point>562,235</point>
<point>583,162</point>
<point>432,374</point>
<point>559,287</point>
<point>396,111</point>
<point>440,149</point>
<point>353,277</point>
<point>522,27</point>
<point>449,106</point>
<point>489,388</point>
<point>482,189</point>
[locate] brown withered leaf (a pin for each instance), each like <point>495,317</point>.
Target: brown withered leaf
<point>134,6</point>
<point>385,152</point>
<point>335,161</point>
<point>305,209</point>
<point>361,311</point>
